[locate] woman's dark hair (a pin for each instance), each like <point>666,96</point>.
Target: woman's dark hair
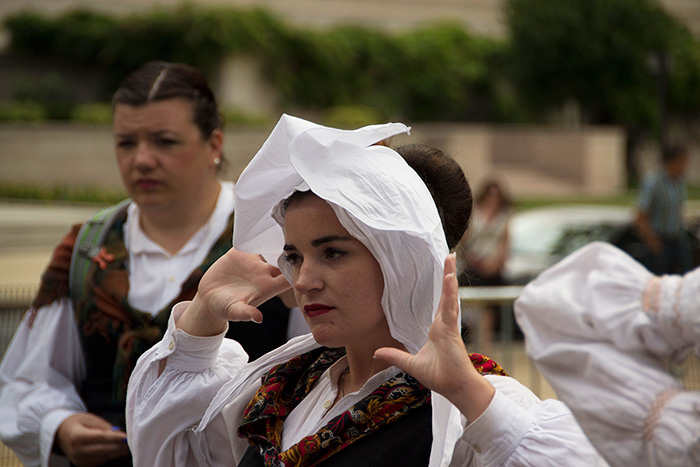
<point>447,184</point>
<point>157,81</point>
<point>492,184</point>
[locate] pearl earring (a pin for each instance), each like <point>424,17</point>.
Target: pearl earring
<point>217,161</point>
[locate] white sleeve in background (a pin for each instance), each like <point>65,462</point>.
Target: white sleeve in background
<point>39,373</point>
<point>599,327</point>
<point>519,429</point>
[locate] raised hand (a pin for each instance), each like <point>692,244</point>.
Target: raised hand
<point>88,440</point>
<point>230,291</point>
<point>443,363</point>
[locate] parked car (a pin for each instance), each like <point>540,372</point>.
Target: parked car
<point>541,237</point>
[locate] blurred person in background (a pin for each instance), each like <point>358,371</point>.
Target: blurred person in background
<point>482,253</point>
<point>659,221</point>
<point>63,379</point>
<point>602,329</point>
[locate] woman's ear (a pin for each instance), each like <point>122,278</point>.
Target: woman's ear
<point>216,146</point>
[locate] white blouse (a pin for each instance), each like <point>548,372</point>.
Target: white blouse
<point>38,391</point>
<point>166,426</point>
<point>601,329</point>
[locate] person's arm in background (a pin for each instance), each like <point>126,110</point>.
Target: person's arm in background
<point>646,232</point>
<point>642,222</point>
<point>601,328</point>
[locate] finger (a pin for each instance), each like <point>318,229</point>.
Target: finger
<point>273,287</point>
<point>93,421</point>
<point>451,264</point>
<point>240,311</point>
<point>118,431</point>
<point>280,283</point>
<point>275,272</point>
<point>92,436</point>
<point>448,308</point>
<point>396,357</point>
<point>109,437</point>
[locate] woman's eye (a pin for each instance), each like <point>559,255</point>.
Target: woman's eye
<point>125,144</point>
<point>334,253</point>
<point>166,142</point>
<point>292,259</point>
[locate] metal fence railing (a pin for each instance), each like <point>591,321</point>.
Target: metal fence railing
<point>504,345</point>
<point>14,300</point>
<point>507,349</point>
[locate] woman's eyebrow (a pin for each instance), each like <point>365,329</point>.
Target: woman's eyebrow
<point>320,241</point>
<point>329,238</point>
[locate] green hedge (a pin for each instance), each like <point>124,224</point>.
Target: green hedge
<point>438,72</point>
<point>60,192</point>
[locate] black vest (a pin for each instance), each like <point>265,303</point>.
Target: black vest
<point>405,443</point>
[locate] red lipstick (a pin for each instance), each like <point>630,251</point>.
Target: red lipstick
<point>316,309</point>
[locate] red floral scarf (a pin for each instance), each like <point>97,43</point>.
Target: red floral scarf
<point>284,387</point>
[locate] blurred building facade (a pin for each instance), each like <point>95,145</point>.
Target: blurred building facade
<point>534,161</point>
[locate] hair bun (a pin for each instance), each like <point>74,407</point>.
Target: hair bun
<point>447,184</point>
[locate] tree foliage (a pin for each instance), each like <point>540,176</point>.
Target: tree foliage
<point>438,72</point>
<point>118,45</point>
<point>596,52</point>
<point>601,53</point>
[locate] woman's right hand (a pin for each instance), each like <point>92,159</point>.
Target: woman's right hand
<point>88,440</point>
<point>443,364</point>
<point>230,291</point>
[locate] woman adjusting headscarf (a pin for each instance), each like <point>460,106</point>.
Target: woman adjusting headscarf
<point>357,233</point>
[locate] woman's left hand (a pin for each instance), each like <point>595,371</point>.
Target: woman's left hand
<point>443,364</point>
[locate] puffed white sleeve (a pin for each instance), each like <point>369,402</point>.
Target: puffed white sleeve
<point>519,429</point>
<point>600,328</point>
<point>39,375</point>
<point>163,411</point>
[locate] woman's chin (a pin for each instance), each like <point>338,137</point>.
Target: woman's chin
<point>327,339</point>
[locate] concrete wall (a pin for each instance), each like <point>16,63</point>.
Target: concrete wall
<point>531,161</point>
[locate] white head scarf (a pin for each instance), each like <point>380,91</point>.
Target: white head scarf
<point>377,197</point>
<point>380,201</point>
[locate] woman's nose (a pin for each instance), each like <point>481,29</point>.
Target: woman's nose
<point>307,278</point>
<point>144,157</point>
